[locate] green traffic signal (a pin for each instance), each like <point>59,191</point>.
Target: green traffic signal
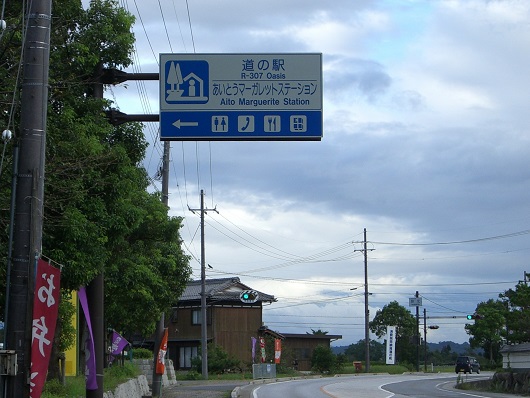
<point>246,296</point>
<point>470,317</point>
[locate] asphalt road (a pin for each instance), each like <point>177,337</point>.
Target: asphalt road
<point>368,386</point>
<point>201,389</point>
<point>438,388</point>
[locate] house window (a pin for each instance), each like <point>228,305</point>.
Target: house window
<point>186,355</point>
<point>302,353</point>
<point>196,317</point>
<point>174,318</point>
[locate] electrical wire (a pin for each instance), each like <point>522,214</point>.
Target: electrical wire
<point>165,26</point>
<point>191,29</point>
<point>145,30</point>
<point>510,235</point>
<point>180,28</point>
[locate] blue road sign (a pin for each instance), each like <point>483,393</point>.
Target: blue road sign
<point>240,97</point>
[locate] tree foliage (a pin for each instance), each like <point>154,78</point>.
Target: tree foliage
<point>323,359</point>
<point>394,314</point>
<point>503,321</point>
<point>357,351</point>
<point>487,333</point>
<point>99,215</point>
<point>318,332</point>
<point>517,304</point>
<point>218,360</point>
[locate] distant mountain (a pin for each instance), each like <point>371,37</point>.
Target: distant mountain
<point>455,347</point>
<point>339,349</point>
<point>459,348</point>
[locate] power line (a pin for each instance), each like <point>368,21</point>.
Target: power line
<point>510,235</point>
<point>165,26</point>
<point>191,29</point>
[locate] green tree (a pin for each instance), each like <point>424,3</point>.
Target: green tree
<point>99,215</point>
<point>394,314</point>
<point>487,332</point>
<point>517,303</point>
<point>323,359</point>
<point>218,360</point>
<point>318,332</point>
<point>357,351</point>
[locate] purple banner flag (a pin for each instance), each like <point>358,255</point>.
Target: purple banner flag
<point>253,339</point>
<point>90,357</point>
<point>118,343</point>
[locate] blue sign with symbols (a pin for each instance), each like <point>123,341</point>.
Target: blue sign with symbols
<point>240,97</point>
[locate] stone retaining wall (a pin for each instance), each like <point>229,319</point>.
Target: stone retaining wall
<point>134,388</point>
<point>139,387</point>
<point>512,382</point>
<point>146,368</point>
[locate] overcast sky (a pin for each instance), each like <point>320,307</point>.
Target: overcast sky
<point>425,144</point>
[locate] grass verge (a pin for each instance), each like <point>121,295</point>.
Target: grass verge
<point>75,386</point>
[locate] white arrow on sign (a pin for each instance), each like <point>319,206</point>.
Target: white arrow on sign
<point>178,124</point>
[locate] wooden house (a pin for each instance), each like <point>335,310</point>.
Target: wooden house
<point>297,348</point>
<point>231,323</point>
<point>300,347</point>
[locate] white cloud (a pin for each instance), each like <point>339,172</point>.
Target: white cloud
<point>425,141</point>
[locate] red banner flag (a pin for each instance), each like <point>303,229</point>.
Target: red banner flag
<point>277,350</point>
<point>161,360</point>
<point>45,310</point>
<point>262,348</point>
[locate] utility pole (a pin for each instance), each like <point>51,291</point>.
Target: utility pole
<point>417,334</point>
<point>366,309</point>
<point>159,334</point>
<point>28,219</point>
<point>204,319</point>
<point>204,311</point>
<point>425,340</point>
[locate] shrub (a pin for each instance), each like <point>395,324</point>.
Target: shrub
<point>323,359</point>
<point>142,353</point>
<point>192,375</point>
<point>218,360</point>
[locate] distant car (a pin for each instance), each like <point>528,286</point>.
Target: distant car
<point>467,365</point>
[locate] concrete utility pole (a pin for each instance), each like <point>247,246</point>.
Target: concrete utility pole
<point>366,309</point>
<point>417,334</point>
<point>204,313</point>
<point>425,340</point>
<point>159,333</point>
<point>27,234</point>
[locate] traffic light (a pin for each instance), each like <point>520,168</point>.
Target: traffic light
<point>249,296</point>
<point>475,316</point>
<point>434,327</point>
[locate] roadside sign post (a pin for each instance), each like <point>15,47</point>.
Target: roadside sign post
<point>415,302</point>
<point>236,97</point>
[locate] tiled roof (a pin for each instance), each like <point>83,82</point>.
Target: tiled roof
<point>507,348</point>
<point>226,289</point>
<point>312,336</point>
